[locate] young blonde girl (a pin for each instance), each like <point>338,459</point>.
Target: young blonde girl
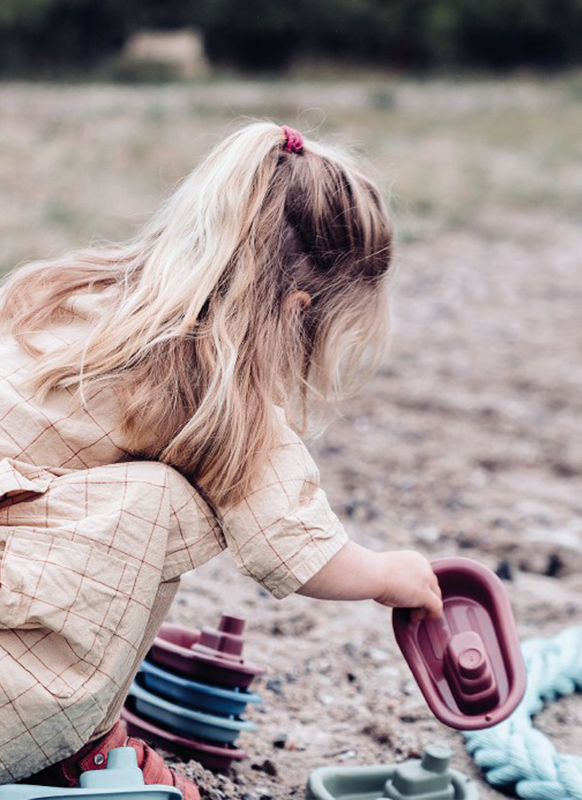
<point>150,400</point>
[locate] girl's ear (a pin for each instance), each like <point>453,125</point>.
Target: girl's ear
<point>296,301</point>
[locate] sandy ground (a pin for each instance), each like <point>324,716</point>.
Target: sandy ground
<point>466,442</point>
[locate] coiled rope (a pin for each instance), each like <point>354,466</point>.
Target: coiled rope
<point>514,752</point>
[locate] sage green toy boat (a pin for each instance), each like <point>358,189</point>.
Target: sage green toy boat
<point>429,778</point>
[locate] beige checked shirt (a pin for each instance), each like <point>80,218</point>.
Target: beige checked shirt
<point>87,536</point>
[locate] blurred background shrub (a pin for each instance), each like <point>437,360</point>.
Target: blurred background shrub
<point>64,36</point>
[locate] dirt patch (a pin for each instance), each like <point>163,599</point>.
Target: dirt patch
<point>463,444</point>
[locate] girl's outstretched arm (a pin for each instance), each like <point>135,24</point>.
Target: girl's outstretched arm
<point>398,578</point>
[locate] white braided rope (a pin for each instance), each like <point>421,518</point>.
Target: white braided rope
<point>514,752</point>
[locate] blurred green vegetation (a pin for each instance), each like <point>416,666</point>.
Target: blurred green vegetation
<point>61,35</point>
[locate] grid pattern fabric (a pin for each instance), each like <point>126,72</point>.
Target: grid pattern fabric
<point>87,536</point>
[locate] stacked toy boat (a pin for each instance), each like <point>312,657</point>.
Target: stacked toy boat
<point>192,691</point>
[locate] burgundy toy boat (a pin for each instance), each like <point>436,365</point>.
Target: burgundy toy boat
<point>467,663</point>
<point>217,758</point>
<point>211,656</point>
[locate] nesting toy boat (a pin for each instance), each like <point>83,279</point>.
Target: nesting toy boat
<point>429,778</point>
<point>212,756</point>
<point>187,721</point>
<point>215,699</point>
<point>192,690</point>
<point>120,780</point>
<point>211,656</point>
<point>467,663</point>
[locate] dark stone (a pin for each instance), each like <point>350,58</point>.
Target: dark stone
<point>267,767</point>
<point>275,685</point>
<point>350,649</point>
<point>464,541</point>
<point>555,566</point>
<point>504,570</point>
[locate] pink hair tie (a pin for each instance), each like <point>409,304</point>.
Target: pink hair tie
<point>293,140</point>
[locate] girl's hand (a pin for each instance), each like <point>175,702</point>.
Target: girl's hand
<point>409,582</point>
<point>397,578</point>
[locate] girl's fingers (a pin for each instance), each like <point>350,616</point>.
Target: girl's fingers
<point>434,585</point>
<point>434,606</point>
<point>417,614</point>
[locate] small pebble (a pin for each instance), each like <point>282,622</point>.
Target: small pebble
<point>267,767</point>
<point>275,685</point>
<point>389,671</point>
<point>378,655</point>
<point>504,570</point>
<point>429,534</point>
<point>350,649</point>
<point>555,565</point>
<point>280,741</point>
<point>295,743</point>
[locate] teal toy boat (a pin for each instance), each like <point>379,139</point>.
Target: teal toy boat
<point>186,721</point>
<point>120,780</point>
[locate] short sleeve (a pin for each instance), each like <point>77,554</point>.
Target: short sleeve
<point>285,531</point>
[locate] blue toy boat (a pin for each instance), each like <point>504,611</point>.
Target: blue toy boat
<point>199,696</point>
<point>186,721</point>
<point>120,780</point>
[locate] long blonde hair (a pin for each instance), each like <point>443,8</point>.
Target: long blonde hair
<point>202,337</point>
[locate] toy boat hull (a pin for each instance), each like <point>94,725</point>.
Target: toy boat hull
<point>217,758</point>
<point>23,792</point>
<point>121,779</point>
<point>187,721</point>
<point>368,783</point>
<point>467,663</point>
<point>202,697</point>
